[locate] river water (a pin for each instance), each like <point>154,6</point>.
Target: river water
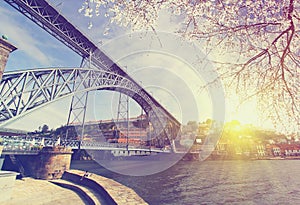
<point>214,182</point>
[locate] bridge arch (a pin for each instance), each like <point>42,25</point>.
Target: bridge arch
<point>24,91</point>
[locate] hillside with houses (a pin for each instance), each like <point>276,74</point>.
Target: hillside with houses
<point>238,141</point>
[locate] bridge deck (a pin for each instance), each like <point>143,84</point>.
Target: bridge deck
<point>20,152</point>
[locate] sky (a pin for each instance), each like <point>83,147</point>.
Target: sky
<point>164,64</point>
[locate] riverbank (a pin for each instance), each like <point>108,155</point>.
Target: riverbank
<point>112,192</point>
<point>76,190</point>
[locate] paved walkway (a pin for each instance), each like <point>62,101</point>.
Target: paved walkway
<point>29,191</point>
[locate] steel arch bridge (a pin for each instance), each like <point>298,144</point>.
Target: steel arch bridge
<point>24,91</point>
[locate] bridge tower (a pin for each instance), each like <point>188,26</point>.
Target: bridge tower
<point>5,49</point>
<point>78,106</point>
<point>77,112</point>
<point>123,112</point>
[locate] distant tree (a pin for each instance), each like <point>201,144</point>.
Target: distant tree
<point>254,43</point>
<point>232,130</point>
<point>209,121</point>
<point>45,128</point>
<point>234,123</point>
<point>193,125</point>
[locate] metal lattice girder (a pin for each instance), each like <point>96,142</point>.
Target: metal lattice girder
<point>24,91</point>
<point>48,18</point>
<point>123,107</point>
<point>78,110</point>
<point>44,15</point>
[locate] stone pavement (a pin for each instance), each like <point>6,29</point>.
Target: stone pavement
<point>30,191</point>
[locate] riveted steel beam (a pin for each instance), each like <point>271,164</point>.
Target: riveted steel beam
<point>24,91</point>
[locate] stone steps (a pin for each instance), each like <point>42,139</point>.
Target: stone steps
<point>94,189</point>
<point>80,179</point>
<point>111,191</point>
<point>88,195</point>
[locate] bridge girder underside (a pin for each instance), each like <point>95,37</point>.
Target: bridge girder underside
<point>24,91</point>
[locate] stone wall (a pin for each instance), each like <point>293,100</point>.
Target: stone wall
<point>50,163</point>
<point>5,49</point>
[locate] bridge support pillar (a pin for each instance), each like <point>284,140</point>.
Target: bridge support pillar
<point>50,163</point>
<point>5,49</point>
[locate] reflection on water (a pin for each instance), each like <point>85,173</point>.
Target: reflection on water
<point>136,163</point>
<point>214,182</point>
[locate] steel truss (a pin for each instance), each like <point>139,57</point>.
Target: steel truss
<point>78,110</point>
<point>45,16</point>
<point>48,18</point>
<point>24,91</point>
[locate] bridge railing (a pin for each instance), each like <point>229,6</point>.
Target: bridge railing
<point>34,144</point>
<point>20,144</point>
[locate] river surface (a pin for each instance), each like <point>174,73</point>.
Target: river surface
<point>214,182</point>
